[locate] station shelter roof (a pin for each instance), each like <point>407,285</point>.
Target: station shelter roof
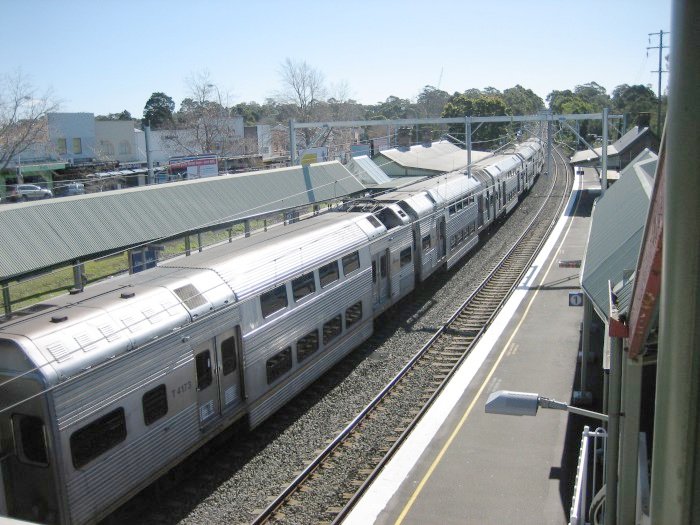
<point>617,228</point>
<point>47,233</point>
<point>366,170</point>
<point>616,148</point>
<point>441,156</point>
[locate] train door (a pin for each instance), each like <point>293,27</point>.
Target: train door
<point>229,355</point>
<point>380,277</point>
<point>205,358</point>
<point>488,205</point>
<point>441,239</point>
<point>480,210</point>
<point>417,253</point>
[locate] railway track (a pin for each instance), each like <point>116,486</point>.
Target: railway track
<point>382,425</point>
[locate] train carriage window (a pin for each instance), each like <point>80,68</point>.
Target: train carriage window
<point>332,329</point>
<point>279,364</point>
<point>453,209</point>
<point>32,439</point>
<point>328,273</point>
<point>353,314</point>
<point>303,286</point>
<point>273,300</point>
<point>351,262</point>
<point>405,256</point>
<point>382,267</point>
<point>425,242</point>
<point>228,355</point>
<point>204,375</point>
<point>155,404</point>
<point>307,345</point>
<point>96,438</point>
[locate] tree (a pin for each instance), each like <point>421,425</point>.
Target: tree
<point>431,101</point>
<point>478,106</point>
<point>158,111</point>
<point>393,108</point>
<point>23,116</point>
<point>302,87</point>
<point>556,98</point>
<point>594,94</point>
<point>124,115</point>
<point>521,101</point>
<point>204,123</point>
<point>638,101</point>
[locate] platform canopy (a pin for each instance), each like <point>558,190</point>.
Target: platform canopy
<point>617,226</point>
<point>44,234</point>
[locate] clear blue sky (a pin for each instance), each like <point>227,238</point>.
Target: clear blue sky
<point>107,55</point>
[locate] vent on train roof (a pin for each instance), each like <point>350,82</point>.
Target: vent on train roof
<point>189,295</point>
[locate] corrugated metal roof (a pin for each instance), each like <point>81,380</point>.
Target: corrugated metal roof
<point>617,227</point>
<point>616,148</point>
<point>40,234</point>
<point>442,156</point>
<point>366,170</point>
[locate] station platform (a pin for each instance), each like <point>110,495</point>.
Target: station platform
<point>461,465</point>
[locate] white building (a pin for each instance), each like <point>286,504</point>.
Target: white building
<point>117,141</point>
<point>72,136</point>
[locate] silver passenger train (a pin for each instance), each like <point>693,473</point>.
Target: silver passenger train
<point>103,391</point>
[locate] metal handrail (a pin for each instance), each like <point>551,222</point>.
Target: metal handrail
<point>578,513</point>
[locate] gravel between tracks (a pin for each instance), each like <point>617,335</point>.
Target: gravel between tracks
<point>238,475</point>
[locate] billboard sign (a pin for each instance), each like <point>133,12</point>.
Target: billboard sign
<point>196,166</point>
<point>312,155</point>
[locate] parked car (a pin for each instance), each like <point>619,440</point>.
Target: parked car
<point>68,189</point>
<point>24,192</point>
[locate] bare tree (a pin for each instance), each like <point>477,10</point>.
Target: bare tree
<point>204,123</point>
<point>23,121</point>
<point>303,86</point>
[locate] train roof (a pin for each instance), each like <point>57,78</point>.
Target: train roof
<point>250,265</point>
<point>442,188</point>
<point>499,164</point>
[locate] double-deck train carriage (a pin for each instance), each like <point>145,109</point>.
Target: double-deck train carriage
<point>103,391</point>
<point>532,153</point>
<point>505,173</point>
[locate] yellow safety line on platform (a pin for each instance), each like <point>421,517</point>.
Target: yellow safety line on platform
<point>447,444</point>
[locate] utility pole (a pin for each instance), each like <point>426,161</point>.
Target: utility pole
<point>660,47</point>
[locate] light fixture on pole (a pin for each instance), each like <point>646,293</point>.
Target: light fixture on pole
<point>509,403</point>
